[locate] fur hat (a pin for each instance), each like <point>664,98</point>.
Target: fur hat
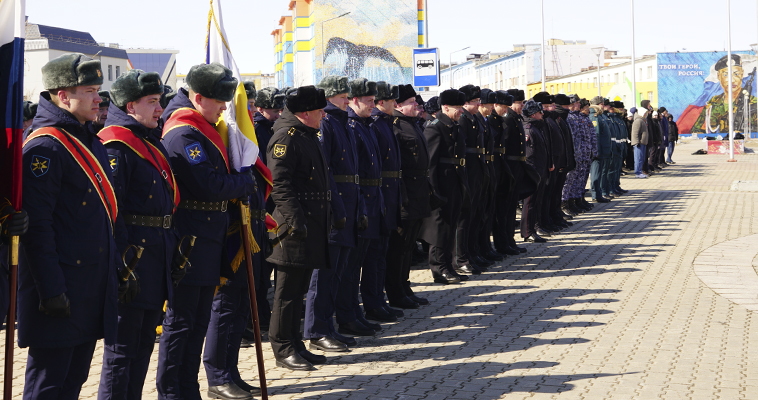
<point>432,106</point>
<point>105,99</point>
<point>583,103</point>
<point>645,104</point>
<point>271,98</point>
<point>544,98</point>
<point>574,98</point>
<point>168,95</point>
<point>386,91</point>
<point>71,70</point>
<point>250,90</point>
<point>362,87</point>
<point>214,81</point>
<point>420,100</point>
<point>562,99</point>
<point>406,92</point>
<point>518,94</point>
<point>488,96</point>
<point>531,107</point>
<point>452,97</point>
<point>135,85</point>
<point>334,85</point>
<point>306,98</point>
<point>606,102</point>
<point>30,110</point>
<point>471,92</point>
<point>597,100</point>
<point>503,97</point>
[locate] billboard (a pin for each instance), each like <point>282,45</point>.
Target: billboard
<point>694,86</point>
<point>366,39</point>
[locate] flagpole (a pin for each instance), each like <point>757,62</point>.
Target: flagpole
<point>10,327</point>
<point>729,71</point>
<point>543,43</point>
<point>634,69</point>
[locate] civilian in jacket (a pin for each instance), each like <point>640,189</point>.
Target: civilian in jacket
<point>639,137</point>
<point>673,138</point>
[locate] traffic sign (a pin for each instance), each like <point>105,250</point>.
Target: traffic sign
<point>426,68</point>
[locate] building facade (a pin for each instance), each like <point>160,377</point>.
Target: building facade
<point>154,60</point>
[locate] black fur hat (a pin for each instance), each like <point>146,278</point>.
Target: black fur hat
<point>606,102</point>
<point>420,100</point>
<point>250,90</point>
<point>518,94</point>
<point>386,91</point>
<point>584,103</point>
<point>214,81</point>
<point>30,110</point>
<point>452,97</point>
<point>306,98</point>
<point>544,98</point>
<point>270,97</point>
<point>432,106</point>
<point>562,99</point>
<point>134,85</point>
<point>105,99</point>
<point>488,97</point>
<point>71,70</point>
<point>503,97</point>
<point>168,95</point>
<point>406,92</point>
<point>471,92</point>
<point>531,107</point>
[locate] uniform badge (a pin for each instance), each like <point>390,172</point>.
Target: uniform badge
<point>594,123</point>
<point>195,153</point>
<point>280,150</point>
<point>40,165</point>
<point>113,161</point>
<point>320,137</point>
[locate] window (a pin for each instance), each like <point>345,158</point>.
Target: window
<point>639,76</point>
<point>110,73</point>
<point>650,72</point>
<point>616,78</point>
<point>595,80</point>
<point>118,71</point>
<point>569,86</point>
<point>650,94</point>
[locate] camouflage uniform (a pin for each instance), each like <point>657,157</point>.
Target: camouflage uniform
<point>719,115</point>
<point>584,135</point>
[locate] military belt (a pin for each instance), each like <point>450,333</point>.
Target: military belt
<point>371,182</point>
<point>489,157</point>
<point>149,221</point>
<point>392,174</point>
<point>306,196</point>
<point>454,161</point>
<point>516,158</point>
<point>203,205</point>
<point>475,150</point>
<point>500,150</point>
<point>414,173</point>
<point>347,179</point>
<point>258,215</point>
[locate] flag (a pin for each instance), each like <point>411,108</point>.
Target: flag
<point>12,32</point>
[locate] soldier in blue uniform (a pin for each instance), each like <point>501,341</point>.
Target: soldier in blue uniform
<point>603,145</point>
<point>206,184</point>
<point>269,103</point>
<point>68,275</point>
<point>146,192</point>
<point>102,114</point>
<point>582,132</point>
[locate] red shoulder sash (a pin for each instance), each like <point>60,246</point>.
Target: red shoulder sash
<point>188,116</point>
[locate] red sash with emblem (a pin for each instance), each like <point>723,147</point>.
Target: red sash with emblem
<point>152,155</point>
<point>188,116</point>
<point>89,164</point>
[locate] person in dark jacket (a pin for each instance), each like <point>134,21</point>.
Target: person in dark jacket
<point>503,178</point>
<point>269,102</point>
<point>548,223</point>
<point>251,94</point>
<point>68,284</point>
<point>206,185</point>
<point>431,107</point>
<point>447,173</point>
<point>656,138</point>
<point>673,138</point>
<point>664,123</point>
<point>539,157</point>
<point>603,153</point>
<point>147,195</point>
<point>481,243</point>
<point>560,115</point>
<point>301,192</point>
<point>415,203</point>
<point>102,114</point>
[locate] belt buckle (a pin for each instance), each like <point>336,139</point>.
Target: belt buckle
<point>462,162</point>
<point>329,195</point>
<point>263,215</point>
<point>223,206</point>
<point>164,174</point>
<point>400,174</point>
<point>166,222</point>
<point>357,179</point>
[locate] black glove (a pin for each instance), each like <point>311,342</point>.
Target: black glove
<point>128,290</point>
<point>178,273</point>
<point>251,174</point>
<point>362,223</point>
<point>58,306</point>
<point>299,233</point>
<point>268,248</point>
<point>244,200</point>
<point>340,223</point>
<point>17,223</point>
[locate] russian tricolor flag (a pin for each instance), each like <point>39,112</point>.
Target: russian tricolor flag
<point>12,32</point>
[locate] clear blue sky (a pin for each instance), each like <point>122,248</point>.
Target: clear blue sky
<point>493,25</point>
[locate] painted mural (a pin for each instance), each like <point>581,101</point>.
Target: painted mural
<point>373,41</point>
<point>694,88</point>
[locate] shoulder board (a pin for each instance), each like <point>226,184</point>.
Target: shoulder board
<point>397,119</point>
<point>435,122</point>
<point>352,123</point>
<point>327,116</point>
<point>292,131</point>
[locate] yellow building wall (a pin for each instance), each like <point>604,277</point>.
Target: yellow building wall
<point>589,90</point>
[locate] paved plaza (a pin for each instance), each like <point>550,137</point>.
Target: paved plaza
<point>651,296</point>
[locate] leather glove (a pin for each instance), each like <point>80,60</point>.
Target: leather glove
<point>57,307</point>
<point>299,233</point>
<point>362,223</point>
<point>178,273</point>
<point>340,223</point>
<point>251,174</point>
<point>17,223</point>
<point>128,290</point>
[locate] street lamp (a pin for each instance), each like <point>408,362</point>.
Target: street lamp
<point>323,56</point>
<point>729,71</point>
<point>634,67</point>
<point>542,46</point>
<point>450,64</point>
<point>598,51</point>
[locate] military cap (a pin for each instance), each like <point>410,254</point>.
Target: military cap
<point>71,70</point>
<point>105,98</point>
<point>531,107</point>
<point>471,92</point>
<point>721,63</point>
<point>544,98</point>
<point>432,106</point>
<point>597,100</point>
<point>584,103</point>
<point>562,99</point>
<point>573,98</point>
<point>488,96</point>
<point>503,97</point>
<point>518,94</point>
<point>270,98</point>
<point>420,100</point>
<point>306,98</point>
<point>645,104</point>
<point>250,90</point>
<point>452,97</point>
<point>362,87</point>
<point>30,110</point>
<point>213,80</point>
<point>386,91</point>
<point>135,85</point>
<point>334,85</point>
<point>405,93</point>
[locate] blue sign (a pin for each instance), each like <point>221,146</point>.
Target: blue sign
<point>426,68</point>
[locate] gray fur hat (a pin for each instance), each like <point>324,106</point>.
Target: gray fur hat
<point>531,107</point>
<point>135,85</point>
<point>597,100</point>
<point>250,90</point>
<point>334,85</point>
<point>214,81</point>
<point>362,87</point>
<point>270,97</point>
<point>71,70</point>
<point>105,98</point>
<point>386,91</point>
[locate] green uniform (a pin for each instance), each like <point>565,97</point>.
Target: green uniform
<point>719,115</point>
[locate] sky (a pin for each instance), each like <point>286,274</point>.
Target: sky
<point>485,26</point>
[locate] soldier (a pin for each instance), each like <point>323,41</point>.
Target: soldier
<point>422,116</point>
<point>301,194</point>
<point>347,207</point>
<point>560,116</point>
<point>602,159</point>
<point>539,157</point>
<point>415,206</point>
<point>664,123</point>
<point>30,110</point>
<point>269,104</point>
<point>525,178</point>
<point>432,107</point>
<point>376,307</point>
<point>69,278</point>
<point>206,184</point>
<point>621,142</point>
<point>102,114</point>
<point>251,94</point>
<point>504,180</point>
<point>147,195</point>
<point>592,148</point>
<point>548,222</point>
<point>573,192</point>
<point>715,115</point>
<point>482,244</point>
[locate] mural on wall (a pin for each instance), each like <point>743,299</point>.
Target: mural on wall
<point>694,88</point>
<point>373,41</point>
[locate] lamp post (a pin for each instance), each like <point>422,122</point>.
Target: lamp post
<point>634,69</point>
<point>598,51</point>
<point>323,56</point>
<point>450,65</point>
<point>542,47</point>
<point>729,71</point>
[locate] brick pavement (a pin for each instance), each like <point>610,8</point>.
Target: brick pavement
<point>610,309</point>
